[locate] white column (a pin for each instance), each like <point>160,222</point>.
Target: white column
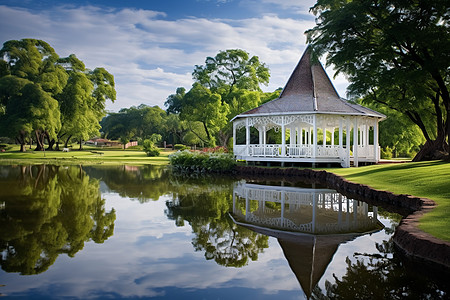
<point>234,135</point>
<point>324,130</point>
<point>347,138</point>
<point>314,208</point>
<point>292,136</point>
<point>309,136</point>
<point>283,137</point>
<point>260,136</point>
<point>264,134</point>
<point>362,134</point>
<point>300,137</point>
<point>367,135</point>
<point>340,134</point>
<point>375,140</point>
<point>247,136</point>
<point>314,152</point>
<point>355,143</point>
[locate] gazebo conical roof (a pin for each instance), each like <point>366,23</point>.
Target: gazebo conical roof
<point>309,90</point>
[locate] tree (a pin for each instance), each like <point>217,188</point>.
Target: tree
<point>232,75</point>
<point>395,53</point>
<point>83,99</point>
<point>202,105</point>
<point>134,122</point>
<point>397,133</point>
<point>48,96</point>
<point>175,128</point>
<point>174,102</point>
<point>232,68</point>
<point>31,79</point>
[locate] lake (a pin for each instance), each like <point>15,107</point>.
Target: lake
<point>127,232</point>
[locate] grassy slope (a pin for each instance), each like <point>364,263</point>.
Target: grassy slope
<point>87,156</point>
<point>423,179</point>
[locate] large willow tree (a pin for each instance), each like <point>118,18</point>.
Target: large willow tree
<point>395,53</point>
<point>43,96</point>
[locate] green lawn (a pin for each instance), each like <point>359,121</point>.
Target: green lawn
<point>89,155</point>
<point>422,179</point>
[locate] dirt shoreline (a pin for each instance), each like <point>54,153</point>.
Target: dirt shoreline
<point>408,237</point>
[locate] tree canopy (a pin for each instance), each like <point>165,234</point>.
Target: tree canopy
<point>47,96</point>
<point>396,54</point>
<point>225,86</point>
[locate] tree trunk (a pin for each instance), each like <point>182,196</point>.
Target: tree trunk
<point>433,149</point>
<point>21,140</point>
<point>51,142</point>
<point>39,141</point>
<point>207,132</point>
<point>81,144</point>
<point>66,143</point>
<point>223,138</point>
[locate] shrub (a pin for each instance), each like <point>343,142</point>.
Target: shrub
<point>202,161</point>
<point>180,147</point>
<point>386,153</point>
<point>150,149</point>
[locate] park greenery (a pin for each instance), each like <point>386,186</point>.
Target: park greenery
<point>88,156</point>
<point>428,179</point>
<point>396,55</point>
<point>43,96</point>
<point>214,160</point>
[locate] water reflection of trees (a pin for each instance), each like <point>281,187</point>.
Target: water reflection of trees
<point>205,206</point>
<point>385,275</point>
<point>46,211</point>
<point>144,183</point>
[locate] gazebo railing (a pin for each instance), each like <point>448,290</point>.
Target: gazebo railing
<point>328,151</point>
<point>272,150</point>
<point>300,151</point>
<point>366,151</point>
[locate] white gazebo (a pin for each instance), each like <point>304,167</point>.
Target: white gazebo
<point>317,126</point>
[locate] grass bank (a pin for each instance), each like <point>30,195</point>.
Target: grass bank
<point>422,179</point>
<point>89,155</point>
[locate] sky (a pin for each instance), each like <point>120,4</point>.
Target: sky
<point>152,46</point>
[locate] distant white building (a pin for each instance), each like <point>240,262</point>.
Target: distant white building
<point>317,126</point>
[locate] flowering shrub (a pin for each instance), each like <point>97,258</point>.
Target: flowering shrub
<point>202,161</point>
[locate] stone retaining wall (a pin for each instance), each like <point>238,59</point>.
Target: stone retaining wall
<point>408,237</point>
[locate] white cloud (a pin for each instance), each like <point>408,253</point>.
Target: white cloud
<point>149,55</point>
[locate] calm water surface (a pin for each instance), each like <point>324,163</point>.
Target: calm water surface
<point>143,232</point>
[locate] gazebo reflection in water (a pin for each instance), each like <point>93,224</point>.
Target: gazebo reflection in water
<point>308,223</point>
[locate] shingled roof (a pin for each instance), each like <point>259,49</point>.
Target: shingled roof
<point>309,90</point>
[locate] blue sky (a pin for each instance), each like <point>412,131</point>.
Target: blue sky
<point>152,46</point>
